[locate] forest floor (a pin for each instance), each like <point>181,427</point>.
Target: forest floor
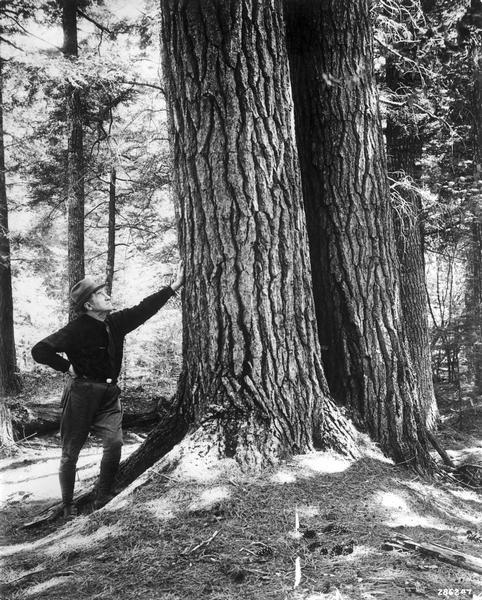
<point>313,528</point>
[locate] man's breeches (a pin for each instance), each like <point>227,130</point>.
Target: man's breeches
<point>90,406</point>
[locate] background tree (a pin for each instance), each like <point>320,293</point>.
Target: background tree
<point>111,232</point>
<point>75,154</point>
<point>9,380</point>
<point>444,59</point>
<point>404,138</point>
<point>354,260</point>
<point>470,35</point>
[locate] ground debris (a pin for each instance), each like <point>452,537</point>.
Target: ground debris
<point>473,536</point>
<point>335,528</point>
<point>234,571</point>
<point>309,534</point>
<point>470,475</point>
<point>414,587</point>
<point>454,557</point>
<point>199,546</point>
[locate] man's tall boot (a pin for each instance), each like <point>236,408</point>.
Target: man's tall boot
<point>108,470</point>
<point>67,482</point>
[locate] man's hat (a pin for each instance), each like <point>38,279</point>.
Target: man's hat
<point>83,290</point>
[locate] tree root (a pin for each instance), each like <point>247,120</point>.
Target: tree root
<point>442,452</point>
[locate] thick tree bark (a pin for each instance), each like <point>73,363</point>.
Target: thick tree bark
<point>251,375</point>
<point>111,232</point>
<point>75,155</point>
<point>9,381</point>
<point>354,258</point>
<point>404,150</point>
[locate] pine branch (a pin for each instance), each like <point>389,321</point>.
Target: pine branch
<point>94,22</point>
<point>421,70</point>
<point>5,40</point>
<point>145,84</point>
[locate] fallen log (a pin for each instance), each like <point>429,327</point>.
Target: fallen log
<point>448,555</point>
<point>35,419</point>
<point>41,419</point>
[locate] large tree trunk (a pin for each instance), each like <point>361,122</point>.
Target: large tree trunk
<point>354,258</point>
<point>75,155</point>
<point>251,374</point>
<point>404,151</point>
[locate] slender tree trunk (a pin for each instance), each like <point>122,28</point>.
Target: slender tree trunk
<point>111,234</point>
<point>473,300</point>
<point>251,376</point>
<point>9,381</point>
<point>473,296</point>
<point>354,258</point>
<point>404,150</point>
<point>75,158</point>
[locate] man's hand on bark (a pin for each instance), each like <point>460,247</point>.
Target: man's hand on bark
<point>177,283</point>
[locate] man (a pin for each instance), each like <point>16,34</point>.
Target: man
<point>93,343</point>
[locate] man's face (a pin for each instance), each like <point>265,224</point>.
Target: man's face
<point>100,301</point>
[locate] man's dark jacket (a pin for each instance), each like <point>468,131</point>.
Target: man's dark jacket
<point>95,348</point>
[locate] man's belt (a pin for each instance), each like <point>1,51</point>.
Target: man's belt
<point>94,379</point>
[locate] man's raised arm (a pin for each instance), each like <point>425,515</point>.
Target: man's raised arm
<point>131,318</point>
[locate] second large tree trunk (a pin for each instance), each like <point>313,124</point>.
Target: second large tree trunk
<point>354,258</point>
<point>252,377</point>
